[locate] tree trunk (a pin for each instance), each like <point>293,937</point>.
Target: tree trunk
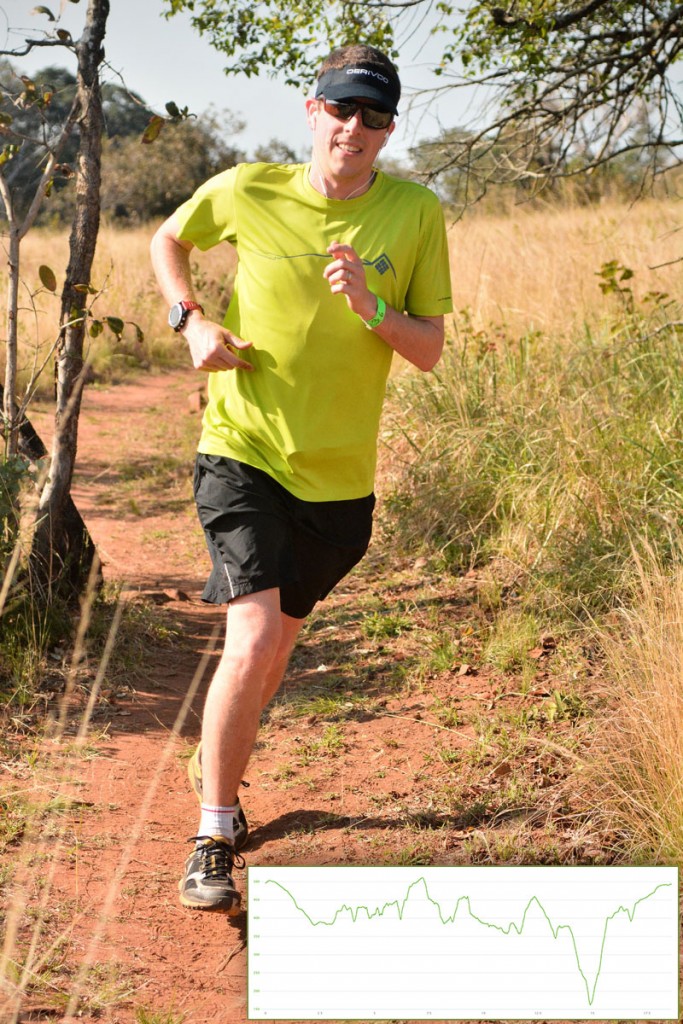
<point>59,558</point>
<point>31,447</point>
<point>10,411</point>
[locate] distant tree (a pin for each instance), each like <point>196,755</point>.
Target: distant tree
<point>277,152</point>
<point>400,167</point>
<point>124,112</point>
<point>37,117</point>
<point>138,186</point>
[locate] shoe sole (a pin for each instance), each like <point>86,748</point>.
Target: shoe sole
<point>194,773</point>
<point>230,906</point>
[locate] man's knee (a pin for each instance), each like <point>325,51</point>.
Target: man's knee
<point>253,635</point>
<point>251,652</point>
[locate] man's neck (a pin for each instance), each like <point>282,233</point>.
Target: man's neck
<point>334,189</point>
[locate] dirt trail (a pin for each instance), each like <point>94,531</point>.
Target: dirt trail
<point>152,953</point>
<point>159,955</point>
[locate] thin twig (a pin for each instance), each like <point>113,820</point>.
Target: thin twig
<point>668,263</point>
<point>241,945</point>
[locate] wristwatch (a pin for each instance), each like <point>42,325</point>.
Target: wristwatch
<point>179,313</point>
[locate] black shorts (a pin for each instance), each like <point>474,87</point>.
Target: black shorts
<point>261,536</point>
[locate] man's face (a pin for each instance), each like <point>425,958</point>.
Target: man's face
<point>345,150</point>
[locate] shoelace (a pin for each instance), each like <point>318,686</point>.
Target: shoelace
<point>218,859</point>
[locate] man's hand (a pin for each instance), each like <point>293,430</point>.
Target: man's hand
<point>419,339</point>
<point>346,276</point>
<point>211,345</point>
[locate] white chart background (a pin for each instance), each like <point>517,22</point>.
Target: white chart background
<point>316,953</point>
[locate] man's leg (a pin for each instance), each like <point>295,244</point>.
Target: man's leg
<point>258,642</point>
<point>290,631</point>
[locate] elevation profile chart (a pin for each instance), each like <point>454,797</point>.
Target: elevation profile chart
<point>462,943</point>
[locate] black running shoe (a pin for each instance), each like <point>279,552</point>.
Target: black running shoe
<point>208,883</point>
<point>194,771</point>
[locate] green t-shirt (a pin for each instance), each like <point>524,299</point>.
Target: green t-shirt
<point>309,413</point>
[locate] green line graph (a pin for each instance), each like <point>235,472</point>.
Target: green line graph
<point>400,906</point>
<point>463,943</point>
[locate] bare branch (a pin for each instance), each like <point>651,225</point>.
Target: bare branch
<point>31,44</point>
<point>668,263</point>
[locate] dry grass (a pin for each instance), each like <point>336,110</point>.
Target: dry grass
<point>639,774</point>
<point>123,272</point>
<point>536,269</point>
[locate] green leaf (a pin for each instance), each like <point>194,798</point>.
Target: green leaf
<point>115,324</point>
<point>95,328</point>
<point>8,152</point>
<point>172,109</point>
<point>5,119</point>
<point>139,334</point>
<point>63,35</point>
<point>41,9</point>
<point>47,278</point>
<point>153,129</point>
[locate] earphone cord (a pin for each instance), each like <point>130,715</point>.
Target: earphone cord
<point>365,184</point>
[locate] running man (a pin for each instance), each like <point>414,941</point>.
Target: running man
<point>340,266</point>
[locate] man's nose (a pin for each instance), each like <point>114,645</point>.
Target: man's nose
<point>356,121</point>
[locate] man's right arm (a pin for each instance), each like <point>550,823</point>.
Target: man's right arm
<point>210,344</point>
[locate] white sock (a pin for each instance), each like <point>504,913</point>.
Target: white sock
<point>218,821</point>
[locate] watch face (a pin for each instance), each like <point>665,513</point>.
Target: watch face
<point>176,316</point>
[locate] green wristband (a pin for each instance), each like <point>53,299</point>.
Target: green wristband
<point>379,315</point>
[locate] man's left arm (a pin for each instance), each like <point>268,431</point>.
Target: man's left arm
<point>419,339</point>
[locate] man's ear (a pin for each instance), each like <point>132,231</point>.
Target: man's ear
<point>388,132</point>
<point>311,113</point>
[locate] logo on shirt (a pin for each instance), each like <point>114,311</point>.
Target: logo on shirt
<point>381,264</point>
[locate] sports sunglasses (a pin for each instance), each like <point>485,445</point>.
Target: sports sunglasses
<point>344,110</point>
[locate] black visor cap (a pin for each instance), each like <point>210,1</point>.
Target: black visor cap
<point>363,81</point>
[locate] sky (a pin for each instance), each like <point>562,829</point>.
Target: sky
<point>166,60</point>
